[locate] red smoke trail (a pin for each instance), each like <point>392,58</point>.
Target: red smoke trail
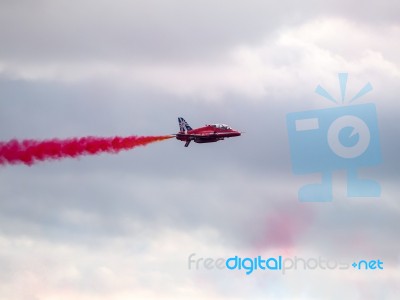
<point>31,151</point>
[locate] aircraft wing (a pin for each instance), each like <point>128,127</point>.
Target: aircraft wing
<point>202,135</point>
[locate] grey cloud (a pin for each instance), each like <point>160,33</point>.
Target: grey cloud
<point>158,30</point>
<point>241,190</point>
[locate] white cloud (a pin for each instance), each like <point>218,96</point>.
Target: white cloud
<point>290,63</point>
<point>122,227</point>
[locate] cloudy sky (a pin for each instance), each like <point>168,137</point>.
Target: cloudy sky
<point>123,226</point>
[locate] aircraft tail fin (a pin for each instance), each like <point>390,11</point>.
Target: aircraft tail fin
<point>183,125</point>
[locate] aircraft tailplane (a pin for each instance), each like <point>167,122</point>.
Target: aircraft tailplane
<point>183,125</point>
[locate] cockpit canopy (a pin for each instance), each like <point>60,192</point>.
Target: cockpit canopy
<point>220,126</point>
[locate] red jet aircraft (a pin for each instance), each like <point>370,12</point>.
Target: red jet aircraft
<point>207,134</point>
